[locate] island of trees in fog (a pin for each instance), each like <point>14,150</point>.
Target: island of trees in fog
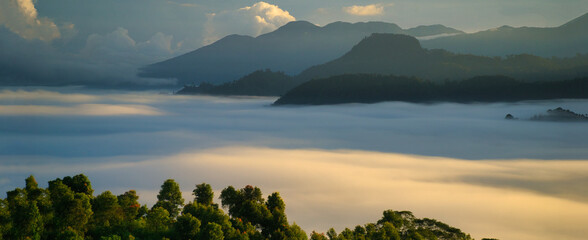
<point>68,210</point>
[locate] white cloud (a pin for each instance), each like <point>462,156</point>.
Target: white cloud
<point>366,10</point>
<point>21,17</point>
<point>344,188</point>
<point>78,110</point>
<point>119,46</point>
<point>253,20</point>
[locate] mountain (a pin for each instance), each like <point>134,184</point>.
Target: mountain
<point>258,83</point>
<point>403,55</point>
<point>563,41</point>
<point>291,48</point>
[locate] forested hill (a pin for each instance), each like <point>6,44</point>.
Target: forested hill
<point>371,88</point>
<point>68,210</point>
<point>403,55</point>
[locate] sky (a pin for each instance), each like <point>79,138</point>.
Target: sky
<point>103,43</point>
<point>335,166</point>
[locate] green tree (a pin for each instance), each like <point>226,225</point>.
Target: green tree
<point>203,194</point>
<point>72,210</point>
<point>170,198</point>
<point>107,211</point>
<point>25,216</point>
<point>79,184</point>
<point>129,202</point>
<point>392,217</point>
<point>213,231</point>
<point>296,233</point>
<point>388,232</point>
<point>332,234</point>
<point>158,220</point>
<point>187,227</point>
<point>317,236</point>
<point>5,223</point>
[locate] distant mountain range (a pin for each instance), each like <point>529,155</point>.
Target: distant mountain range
<point>403,55</point>
<point>299,45</point>
<point>563,41</point>
<point>291,49</point>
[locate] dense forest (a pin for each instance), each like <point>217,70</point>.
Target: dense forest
<point>68,210</point>
<point>372,88</point>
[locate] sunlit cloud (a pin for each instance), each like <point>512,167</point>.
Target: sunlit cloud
<point>365,10</point>
<point>78,110</point>
<point>21,17</point>
<point>344,188</point>
<point>253,20</point>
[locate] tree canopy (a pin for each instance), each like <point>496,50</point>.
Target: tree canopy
<point>67,209</point>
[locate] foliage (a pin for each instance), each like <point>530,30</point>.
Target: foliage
<point>60,212</point>
<point>170,198</point>
<point>370,88</point>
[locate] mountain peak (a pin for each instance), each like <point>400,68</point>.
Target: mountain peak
<point>581,21</point>
<point>388,44</point>
<point>297,26</point>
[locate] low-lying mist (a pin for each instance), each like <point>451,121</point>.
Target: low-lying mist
<point>335,166</point>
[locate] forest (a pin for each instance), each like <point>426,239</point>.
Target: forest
<point>68,210</point>
<point>372,88</point>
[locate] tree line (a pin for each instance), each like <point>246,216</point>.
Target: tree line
<point>68,210</point>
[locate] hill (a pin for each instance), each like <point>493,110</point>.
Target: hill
<point>564,41</point>
<point>291,49</point>
<point>258,83</point>
<point>403,55</point>
<point>370,88</point>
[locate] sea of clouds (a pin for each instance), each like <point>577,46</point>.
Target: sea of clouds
<point>336,166</point>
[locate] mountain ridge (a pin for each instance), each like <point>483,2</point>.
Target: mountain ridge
<point>565,40</point>
<point>291,48</point>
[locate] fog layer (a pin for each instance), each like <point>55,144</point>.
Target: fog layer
<point>335,166</point>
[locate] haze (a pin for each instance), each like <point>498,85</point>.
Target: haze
<point>335,166</point>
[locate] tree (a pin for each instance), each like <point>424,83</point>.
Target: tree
<point>296,233</point>
<point>213,231</point>
<point>317,236</point>
<point>204,194</point>
<point>25,216</point>
<point>332,234</point>
<point>388,232</point>
<point>129,203</point>
<point>187,227</point>
<point>5,223</point>
<point>79,184</point>
<point>107,211</point>
<point>170,198</point>
<point>72,210</point>
<point>158,220</point>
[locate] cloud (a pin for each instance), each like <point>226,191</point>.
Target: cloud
<point>253,20</point>
<point>78,110</point>
<point>21,17</point>
<point>109,60</point>
<point>345,188</point>
<point>366,10</point>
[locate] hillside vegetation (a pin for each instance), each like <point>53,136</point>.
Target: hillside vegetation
<point>371,88</point>
<point>68,210</point>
